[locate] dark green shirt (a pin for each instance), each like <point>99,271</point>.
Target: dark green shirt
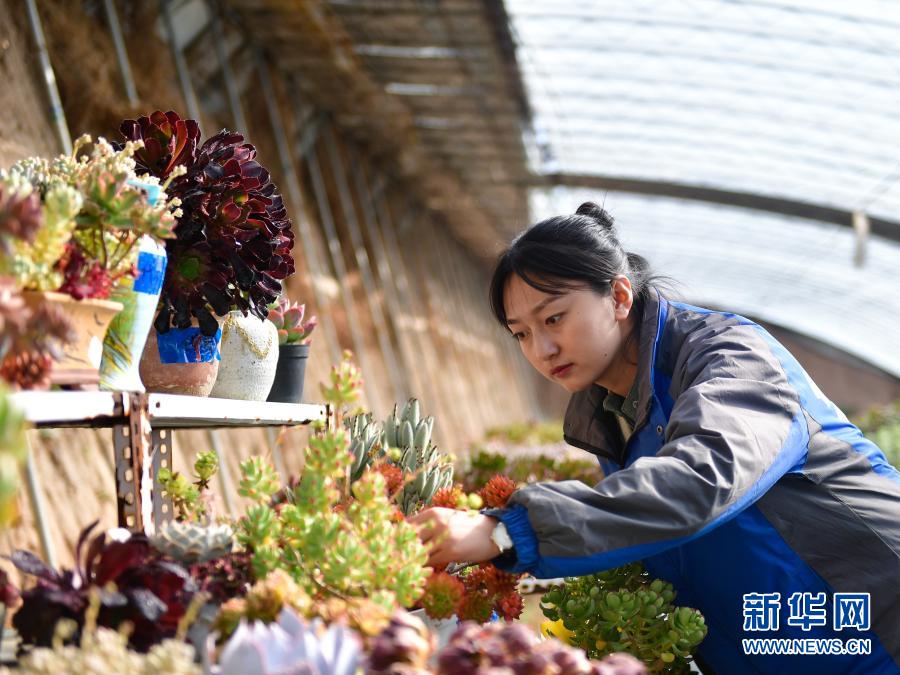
<point>623,408</point>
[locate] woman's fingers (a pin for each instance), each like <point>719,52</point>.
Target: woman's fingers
<point>455,536</point>
<point>428,524</point>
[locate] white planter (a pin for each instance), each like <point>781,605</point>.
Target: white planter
<point>443,629</point>
<point>249,352</point>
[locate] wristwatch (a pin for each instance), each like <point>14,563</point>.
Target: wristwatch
<point>501,537</point>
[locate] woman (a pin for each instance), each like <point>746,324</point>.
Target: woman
<point>728,473</point>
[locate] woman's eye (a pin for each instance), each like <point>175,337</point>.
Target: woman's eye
<point>553,320</point>
<point>518,336</point>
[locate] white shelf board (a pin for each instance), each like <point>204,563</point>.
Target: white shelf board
<point>170,411</point>
<point>167,411</point>
<point>70,408</point>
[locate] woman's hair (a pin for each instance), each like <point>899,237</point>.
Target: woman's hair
<point>568,252</point>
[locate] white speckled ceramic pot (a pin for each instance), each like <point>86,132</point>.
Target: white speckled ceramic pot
<point>249,358</point>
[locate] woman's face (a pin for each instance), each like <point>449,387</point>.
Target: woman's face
<point>574,339</point>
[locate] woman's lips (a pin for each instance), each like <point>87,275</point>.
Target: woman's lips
<point>561,371</point>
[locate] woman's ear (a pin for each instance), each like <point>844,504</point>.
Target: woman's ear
<point>622,296</point>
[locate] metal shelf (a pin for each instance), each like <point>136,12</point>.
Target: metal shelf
<point>141,432</point>
<point>102,409</point>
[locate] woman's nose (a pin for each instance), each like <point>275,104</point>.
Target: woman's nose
<point>546,347</point>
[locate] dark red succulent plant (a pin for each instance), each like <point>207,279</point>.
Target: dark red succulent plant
<point>169,141</point>
<point>151,592</point>
<point>9,594</point>
<point>20,217</point>
<point>224,578</point>
<point>233,242</point>
<point>84,278</point>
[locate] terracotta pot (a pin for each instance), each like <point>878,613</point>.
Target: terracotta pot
<point>90,319</point>
<point>191,372</point>
<point>249,358</point>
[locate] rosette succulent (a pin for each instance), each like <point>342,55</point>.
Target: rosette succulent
<point>291,645</point>
<point>513,648</point>
<point>233,241</point>
<point>497,491</point>
<point>288,318</point>
<point>404,646</point>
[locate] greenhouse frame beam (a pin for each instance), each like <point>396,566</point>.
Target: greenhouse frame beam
<point>339,175</point>
<point>295,194</point>
<point>335,251</point>
<point>889,229</point>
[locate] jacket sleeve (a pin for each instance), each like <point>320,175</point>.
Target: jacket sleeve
<point>735,428</point>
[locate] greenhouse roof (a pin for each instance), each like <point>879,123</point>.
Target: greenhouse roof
<point>674,112</point>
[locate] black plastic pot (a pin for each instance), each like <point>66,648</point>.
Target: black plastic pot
<point>288,384</point>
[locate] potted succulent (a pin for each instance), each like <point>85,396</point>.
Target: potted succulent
<point>93,218</point>
<point>625,610</point>
<point>231,249</point>
<point>294,337</point>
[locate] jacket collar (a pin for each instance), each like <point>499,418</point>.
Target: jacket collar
<point>586,424</point>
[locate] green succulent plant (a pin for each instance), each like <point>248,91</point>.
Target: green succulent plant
<point>404,441</point>
<point>333,546</point>
<point>881,425</point>
<point>344,387</point>
<point>191,543</point>
<point>624,610</point>
<point>185,495</point>
<point>94,213</point>
<point>259,480</point>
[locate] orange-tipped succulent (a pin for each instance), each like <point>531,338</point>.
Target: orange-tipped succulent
<point>443,594</point>
<point>510,606</point>
<point>498,491</point>
<point>498,581</point>
<point>476,606</point>
<point>449,497</point>
<point>393,476</point>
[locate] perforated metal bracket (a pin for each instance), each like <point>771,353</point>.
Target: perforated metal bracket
<point>162,459</point>
<point>132,444</point>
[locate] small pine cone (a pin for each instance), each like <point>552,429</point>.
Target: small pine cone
<point>476,606</point>
<point>27,370</point>
<point>448,497</point>
<point>443,594</point>
<point>510,606</point>
<point>497,491</point>
<point>498,581</point>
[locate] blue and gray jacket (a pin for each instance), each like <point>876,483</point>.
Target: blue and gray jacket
<point>740,478</point>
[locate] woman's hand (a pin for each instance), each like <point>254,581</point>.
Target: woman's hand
<point>455,536</point>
